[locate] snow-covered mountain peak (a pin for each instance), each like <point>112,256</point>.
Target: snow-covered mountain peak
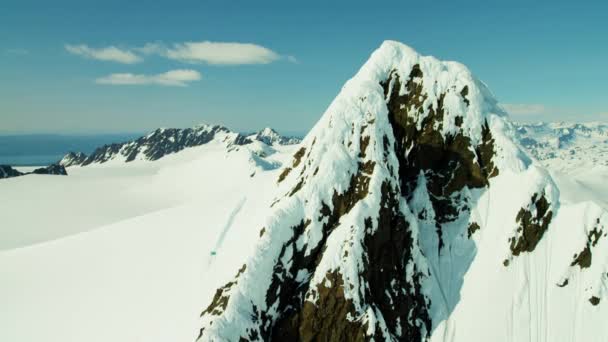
<point>271,137</point>
<point>466,102</point>
<point>407,183</point>
<point>269,132</point>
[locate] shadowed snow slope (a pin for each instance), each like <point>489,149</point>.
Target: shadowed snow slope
<point>409,214</point>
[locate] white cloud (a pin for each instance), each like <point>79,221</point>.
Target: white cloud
<point>213,53</point>
<point>219,53</point>
<point>110,53</point>
<point>174,78</point>
<point>524,108</point>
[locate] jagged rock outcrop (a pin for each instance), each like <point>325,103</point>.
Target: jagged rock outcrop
<point>161,142</point>
<point>7,171</point>
<point>408,182</point>
<point>165,141</point>
<point>72,159</point>
<point>53,169</point>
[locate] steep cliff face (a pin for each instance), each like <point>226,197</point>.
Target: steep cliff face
<point>385,204</point>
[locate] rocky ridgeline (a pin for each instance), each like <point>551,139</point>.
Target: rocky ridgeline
<point>164,141</point>
<point>7,171</point>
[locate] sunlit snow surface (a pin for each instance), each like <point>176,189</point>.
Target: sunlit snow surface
<point>122,251</point>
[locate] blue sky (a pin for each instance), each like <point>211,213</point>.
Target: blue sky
<point>57,74</point>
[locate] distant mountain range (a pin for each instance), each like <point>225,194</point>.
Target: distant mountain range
<point>565,147</point>
<point>46,149</point>
<point>164,141</point>
<point>7,171</point>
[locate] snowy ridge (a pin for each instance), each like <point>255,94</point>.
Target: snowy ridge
<point>164,141</point>
<point>53,169</point>
<point>407,197</point>
<point>156,145</point>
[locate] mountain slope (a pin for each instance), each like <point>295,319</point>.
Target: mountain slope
<point>406,197</point>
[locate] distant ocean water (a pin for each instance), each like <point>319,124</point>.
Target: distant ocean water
<point>30,160</point>
<point>45,149</point>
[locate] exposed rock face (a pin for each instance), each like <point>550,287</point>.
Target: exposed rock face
<point>54,169</point>
<point>448,163</point>
<point>160,143</point>
<point>383,205</point>
<point>72,159</point>
<point>7,172</point>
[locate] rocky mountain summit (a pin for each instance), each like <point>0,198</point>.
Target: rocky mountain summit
<point>409,214</point>
<point>271,137</point>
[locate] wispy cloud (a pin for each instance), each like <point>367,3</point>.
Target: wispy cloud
<point>525,108</point>
<point>110,53</point>
<point>292,59</point>
<point>173,78</point>
<point>206,52</point>
<point>219,53</point>
<point>16,51</point>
